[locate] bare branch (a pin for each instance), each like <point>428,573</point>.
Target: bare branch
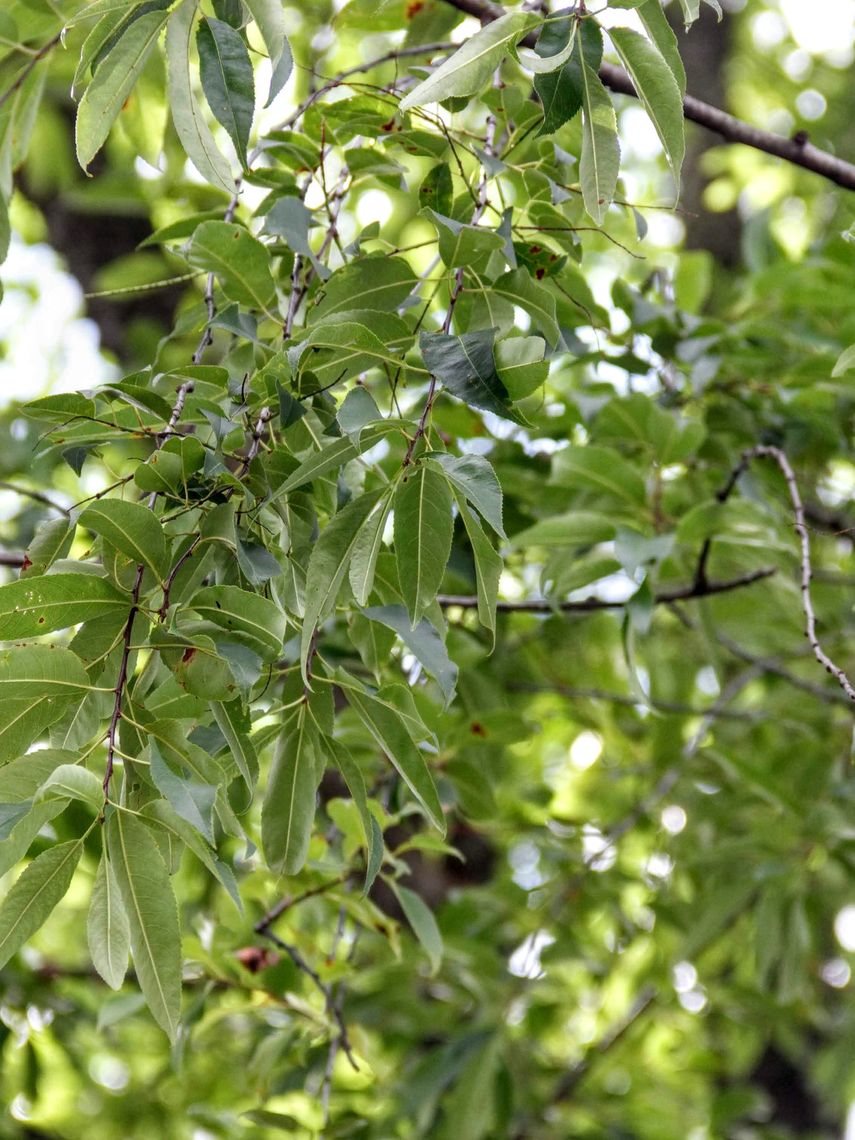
<point>590,605</point>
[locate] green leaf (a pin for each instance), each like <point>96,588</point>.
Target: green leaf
<point>193,132</point>
<point>374,847</point>
<point>390,731</point>
<point>472,65</point>
<point>519,288</point>
<point>335,454</point>
<point>520,365</point>
<point>33,606</point>
<point>369,543</point>
<point>423,641</point>
<point>107,928</point>
<point>191,799</point>
<point>658,90</point>
<point>229,718</point>
<point>5,229</point>
<point>227,80</point>
<point>845,362</point>
<point>544,59</point>
<point>45,672</point>
<point>288,810</point>
<point>600,161</point>
<point>329,564</point>
<point>421,919</point>
<point>270,18</point>
<point>112,83</point>
<point>437,190</point>
<point>462,244</point>
<point>164,816</point>
<point>465,366</point>
<point>375,283</point>
<point>602,470</point>
<point>251,615</point>
<point>52,540</point>
<point>423,531</point>
<point>72,782</point>
<point>131,528</point>
<point>35,894</point>
<point>662,34</point>
<point>488,568</point>
<point>240,262</point>
<point>152,912</point>
<point>561,92</point>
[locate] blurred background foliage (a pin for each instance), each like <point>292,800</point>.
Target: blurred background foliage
<point>651,932</point>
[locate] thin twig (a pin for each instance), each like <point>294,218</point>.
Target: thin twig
<point>25,71</point>
<point>794,150</point>
<point>590,605</point>
<point>36,496</point>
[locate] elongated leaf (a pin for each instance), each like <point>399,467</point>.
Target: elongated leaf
<point>245,613</point>
<point>423,641</point>
<point>37,682</point>
<point>152,916</point>
<point>329,564</point>
<point>131,528</point>
<point>112,83</point>
<point>240,262</point>
<point>423,532</point>
<point>656,25</point>
<point>35,893</point>
<point>107,929</point>
<point>658,90</point>
<point>600,161</point>
<point>475,477</point>
<point>560,92</point>
<point>488,567</point>
<point>33,606</point>
<point>191,799</point>
<point>472,65</point>
<point>164,815</point>
<point>421,919</point>
<point>229,719</point>
<point>388,728</point>
<point>466,367</point>
<point>336,454</point>
<point>369,543</point>
<point>370,827</point>
<point>227,79</point>
<point>288,811</point>
<point>187,114</point>
<point>270,19</point>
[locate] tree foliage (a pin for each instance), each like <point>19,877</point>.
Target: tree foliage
<point>411,680</point>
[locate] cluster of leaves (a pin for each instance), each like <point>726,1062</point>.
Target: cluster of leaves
<point>274,634</point>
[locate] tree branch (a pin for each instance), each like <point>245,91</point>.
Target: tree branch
<point>589,605</point>
<point>795,150</point>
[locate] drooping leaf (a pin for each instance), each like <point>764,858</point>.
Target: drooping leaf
<point>600,161</point>
<point>227,80</point>
<point>107,929</point>
<point>288,811</point>
<point>229,718</point>
<point>113,82</point>
<point>421,919</point>
<point>37,682</point>
<point>371,829</point>
<point>187,115</point>
<point>152,913</point>
<point>423,532</point>
<point>270,18</point>
<point>658,89</point>
<point>488,567</point>
<point>329,564</point>
<point>191,799</point>
<point>35,894</point>
<point>656,25</point>
<point>366,551</point>
<point>72,782</point>
<point>472,65</point>
<point>390,731</point>
<point>423,641</point>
